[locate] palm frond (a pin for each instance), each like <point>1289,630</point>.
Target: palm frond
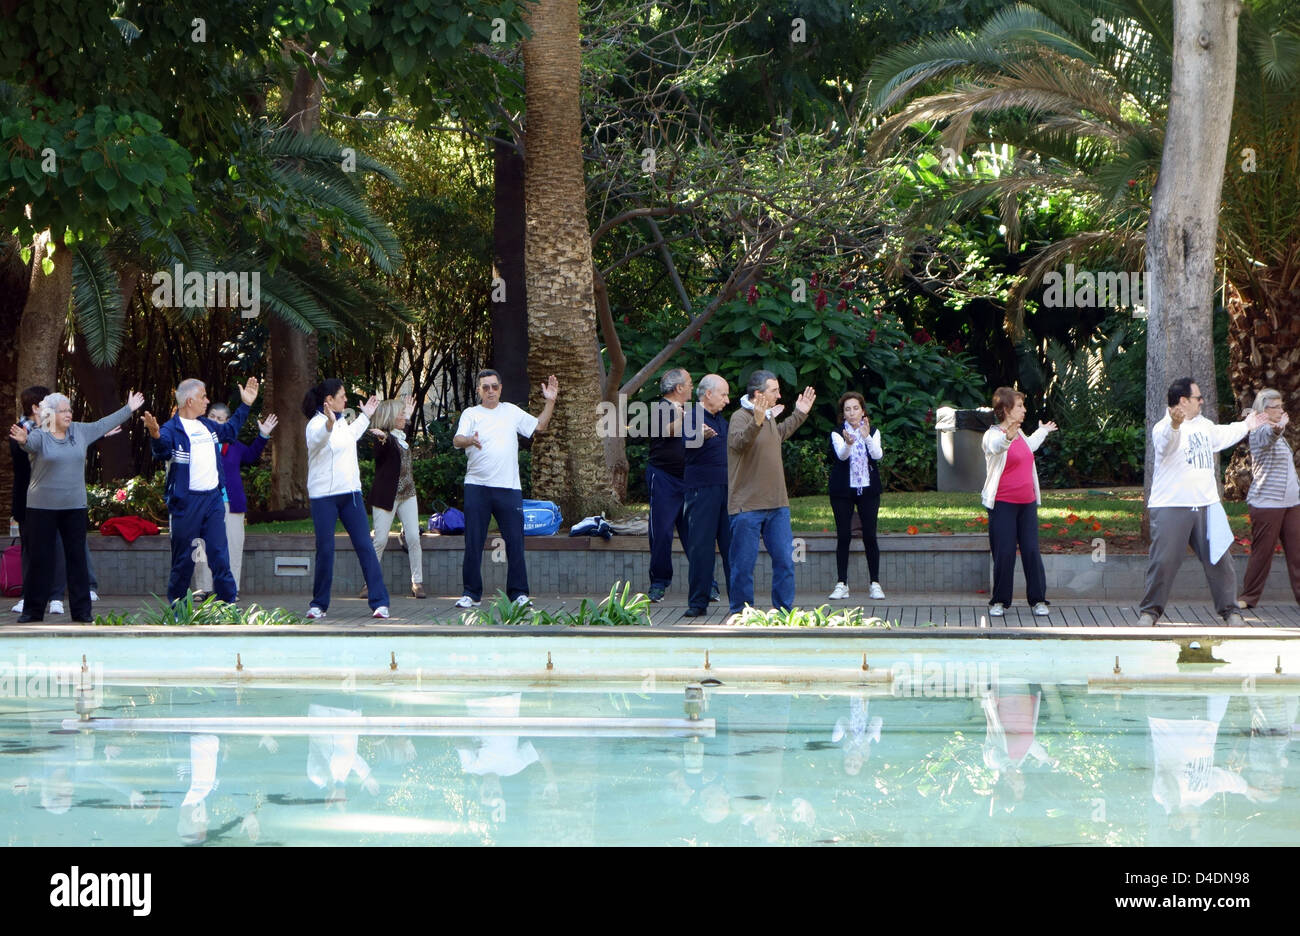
<point>96,303</point>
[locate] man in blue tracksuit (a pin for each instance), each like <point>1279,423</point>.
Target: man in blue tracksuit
<point>195,484</point>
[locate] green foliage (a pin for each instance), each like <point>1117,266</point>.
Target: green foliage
<point>810,617</point>
<point>618,609</point>
<point>143,496</point>
<point>184,612</point>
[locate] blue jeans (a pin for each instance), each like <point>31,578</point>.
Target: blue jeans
<point>325,512</point>
<point>667,497</point>
<point>203,520</point>
<point>774,526</point>
<point>706,523</point>
<point>507,505</point>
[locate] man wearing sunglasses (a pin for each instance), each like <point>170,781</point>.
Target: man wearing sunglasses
<point>1184,503</point>
<point>489,435</point>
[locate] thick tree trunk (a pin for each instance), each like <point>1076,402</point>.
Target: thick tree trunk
<point>510,312</point>
<point>44,315</point>
<point>1183,230</point>
<point>294,354</point>
<point>568,460</point>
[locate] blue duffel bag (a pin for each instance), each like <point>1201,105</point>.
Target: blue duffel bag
<point>541,518</point>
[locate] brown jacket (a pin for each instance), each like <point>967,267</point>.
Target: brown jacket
<point>755,475</point>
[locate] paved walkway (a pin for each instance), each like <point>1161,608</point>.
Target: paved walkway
<point>914,614</point>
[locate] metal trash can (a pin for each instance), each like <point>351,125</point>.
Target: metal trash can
<point>959,454</point>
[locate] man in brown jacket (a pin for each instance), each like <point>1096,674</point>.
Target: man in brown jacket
<point>756,495</point>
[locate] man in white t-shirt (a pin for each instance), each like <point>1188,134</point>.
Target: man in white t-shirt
<point>489,433</point>
<point>1184,502</point>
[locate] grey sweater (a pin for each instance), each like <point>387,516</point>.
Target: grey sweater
<point>59,465</point>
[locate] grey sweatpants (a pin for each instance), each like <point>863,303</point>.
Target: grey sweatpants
<point>1173,529</point>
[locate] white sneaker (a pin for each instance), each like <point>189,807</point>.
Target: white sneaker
<point>877,592</point>
<point>841,591</point>
<point>998,610</point>
<point>1041,609</point>
<point>18,608</point>
<point>523,601</point>
<point>94,595</point>
<point>315,613</point>
<point>380,612</point>
<point>1146,619</point>
<point>467,602</point>
<point>56,607</point>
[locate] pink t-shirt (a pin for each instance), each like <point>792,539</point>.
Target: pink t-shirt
<point>1016,486</point>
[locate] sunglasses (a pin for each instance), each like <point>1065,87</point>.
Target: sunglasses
<point>490,386</point>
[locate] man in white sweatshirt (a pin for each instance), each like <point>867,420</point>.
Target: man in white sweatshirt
<point>1184,503</point>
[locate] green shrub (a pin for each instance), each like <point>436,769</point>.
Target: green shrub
<point>144,496</point>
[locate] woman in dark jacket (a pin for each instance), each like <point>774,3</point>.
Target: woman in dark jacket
<point>855,484</point>
<point>392,493</point>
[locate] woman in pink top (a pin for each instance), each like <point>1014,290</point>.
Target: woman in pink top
<point>1011,496</point>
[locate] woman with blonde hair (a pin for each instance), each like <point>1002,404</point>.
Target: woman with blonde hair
<point>1012,495</point>
<point>392,493</point>
<point>1274,500</point>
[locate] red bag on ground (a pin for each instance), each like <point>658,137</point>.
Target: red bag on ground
<point>129,528</point>
<point>11,572</point>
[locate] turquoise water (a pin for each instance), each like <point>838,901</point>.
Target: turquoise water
<point>1019,751</point>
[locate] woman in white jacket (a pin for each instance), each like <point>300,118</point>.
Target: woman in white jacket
<point>1011,495</point>
<point>334,489</point>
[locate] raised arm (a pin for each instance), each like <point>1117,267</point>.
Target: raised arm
<point>550,391</point>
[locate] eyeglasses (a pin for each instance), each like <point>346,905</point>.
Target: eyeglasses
<point>1196,398</point>
<point>490,386</point>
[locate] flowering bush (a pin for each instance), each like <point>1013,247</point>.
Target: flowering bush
<point>143,496</point>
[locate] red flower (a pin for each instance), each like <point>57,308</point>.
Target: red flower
<point>922,336</point>
<point>752,296</point>
<point>1047,526</point>
<point>1096,526</point>
<point>821,300</point>
<point>1072,518</point>
<point>911,531</point>
<point>871,335</point>
<point>120,495</point>
<point>1132,182</point>
<point>929,416</point>
<point>956,347</point>
<point>842,305</point>
<point>812,281</point>
<point>625,320</point>
<point>763,333</point>
<point>832,342</point>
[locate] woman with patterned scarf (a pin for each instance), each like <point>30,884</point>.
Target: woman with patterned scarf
<point>855,484</point>
<point>392,494</point>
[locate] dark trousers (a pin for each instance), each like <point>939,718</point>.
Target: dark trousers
<point>60,584</point>
<point>44,528</point>
<point>1268,526</point>
<point>482,503</point>
<point>667,499</point>
<point>326,512</point>
<point>867,504</point>
<point>707,523</point>
<point>201,525</point>
<point>1011,525</point>
<point>1173,529</point>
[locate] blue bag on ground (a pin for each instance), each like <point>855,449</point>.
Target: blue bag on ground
<point>449,520</point>
<point>541,518</point>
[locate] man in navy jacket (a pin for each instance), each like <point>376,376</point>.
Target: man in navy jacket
<point>195,484</point>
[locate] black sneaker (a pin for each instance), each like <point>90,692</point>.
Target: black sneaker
<point>695,612</point>
<point>716,594</point>
<point>656,593</point>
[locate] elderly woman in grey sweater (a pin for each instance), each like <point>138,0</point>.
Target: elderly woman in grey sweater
<point>56,499</point>
<point>1274,501</point>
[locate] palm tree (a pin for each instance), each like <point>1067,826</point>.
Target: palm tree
<point>568,460</point>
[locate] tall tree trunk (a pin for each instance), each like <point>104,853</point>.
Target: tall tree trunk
<point>1183,230</point>
<point>44,316</point>
<point>1263,352</point>
<point>294,354</point>
<point>568,460</point>
<point>510,313</point>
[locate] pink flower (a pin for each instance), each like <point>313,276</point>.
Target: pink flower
<point>812,281</point>
<point>763,333</point>
<point>832,342</point>
<point>821,300</point>
<point>871,335</point>
<point>120,495</point>
<point>752,296</point>
<point>843,304</point>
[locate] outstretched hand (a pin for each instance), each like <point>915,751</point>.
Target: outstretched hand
<point>267,426</point>
<point>135,400</point>
<point>550,388</point>
<point>1255,419</point>
<point>408,406</point>
<point>370,406</point>
<point>112,432</point>
<point>18,434</point>
<point>1049,426</point>
<point>804,402</point>
<point>151,424</point>
<point>248,393</point>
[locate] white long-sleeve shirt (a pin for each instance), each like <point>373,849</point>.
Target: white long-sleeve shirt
<point>1184,473</point>
<point>995,445</point>
<point>332,456</point>
<point>842,448</point>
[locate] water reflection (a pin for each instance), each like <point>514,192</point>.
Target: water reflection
<point>332,759</point>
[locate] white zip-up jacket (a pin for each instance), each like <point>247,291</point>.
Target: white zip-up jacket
<point>332,456</point>
<point>1184,475</point>
<point>995,447</point>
